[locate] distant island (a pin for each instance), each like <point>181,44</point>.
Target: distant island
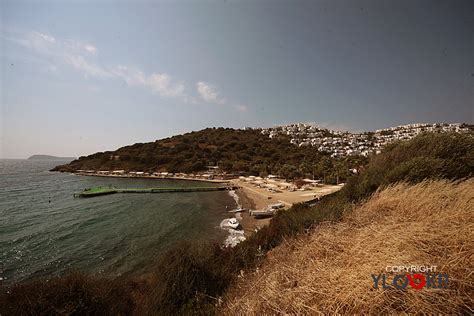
<point>48,157</point>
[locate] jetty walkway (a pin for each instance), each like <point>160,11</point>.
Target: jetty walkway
<point>97,191</point>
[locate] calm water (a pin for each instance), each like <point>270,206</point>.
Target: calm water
<point>44,231</point>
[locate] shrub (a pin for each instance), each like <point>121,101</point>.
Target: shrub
<point>188,277</point>
<point>75,294</point>
<point>428,156</point>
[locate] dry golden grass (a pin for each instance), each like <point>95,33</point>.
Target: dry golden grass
<point>329,271</point>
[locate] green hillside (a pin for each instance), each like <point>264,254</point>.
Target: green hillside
<point>234,151</point>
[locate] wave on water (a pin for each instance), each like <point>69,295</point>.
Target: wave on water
<point>235,197</point>
<point>236,235</point>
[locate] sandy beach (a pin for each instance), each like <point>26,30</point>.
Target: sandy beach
<point>251,197</point>
<point>255,198</point>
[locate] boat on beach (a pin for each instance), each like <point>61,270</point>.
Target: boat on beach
<point>268,212</point>
<point>233,223</point>
<point>230,223</point>
<point>238,210</point>
<point>276,206</point>
<point>263,213</point>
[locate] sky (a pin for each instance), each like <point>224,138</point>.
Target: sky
<point>78,77</point>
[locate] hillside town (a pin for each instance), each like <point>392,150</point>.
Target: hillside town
<point>343,143</point>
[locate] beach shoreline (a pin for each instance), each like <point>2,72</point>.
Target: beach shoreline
<point>250,201</point>
<point>256,198</point>
<point>149,177</point>
<point>248,196</point>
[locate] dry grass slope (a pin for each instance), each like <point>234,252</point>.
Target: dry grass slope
<point>329,271</point>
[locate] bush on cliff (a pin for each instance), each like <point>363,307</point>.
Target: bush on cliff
<point>74,294</point>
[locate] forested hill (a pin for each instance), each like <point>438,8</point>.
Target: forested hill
<point>247,151</point>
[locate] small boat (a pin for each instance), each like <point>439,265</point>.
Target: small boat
<point>237,210</point>
<point>269,211</point>
<point>233,222</point>
<point>276,206</point>
<point>230,223</point>
<point>263,213</point>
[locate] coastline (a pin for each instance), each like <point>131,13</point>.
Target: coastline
<point>250,200</point>
<point>255,198</point>
<point>248,196</point>
<point>249,224</point>
<point>149,177</point>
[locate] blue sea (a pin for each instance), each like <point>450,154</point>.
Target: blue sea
<point>45,231</point>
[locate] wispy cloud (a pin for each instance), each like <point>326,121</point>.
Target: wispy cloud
<point>209,93</point>
<point>163,85</point>
<point>130,75</point>
<point>82,56</point>
<point>85,67</point>
<point>90,48</point>
<point>156,82</point>
<point>46,37</point>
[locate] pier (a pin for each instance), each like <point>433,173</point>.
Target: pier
<point>97,191</point>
